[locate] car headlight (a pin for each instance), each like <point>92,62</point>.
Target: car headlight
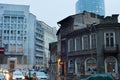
<point>23,77</point>
<point>13,78</point>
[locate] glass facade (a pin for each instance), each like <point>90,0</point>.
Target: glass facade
<point>94,6</point>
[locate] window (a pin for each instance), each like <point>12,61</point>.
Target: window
<point>18,32</point>
<point>78,43</point>
<point>7,37</point>
<point>71,45</point>
<point>4,37</point>
<point>7,31</point>
<point>20,19</point>
<point>12,48</point>
<point>71,66</point>
<point>4,31</point>
<point>13,19</point>
<point>18,38</point>
<point>14,37</point>
<point>93,40</point>
<point>85,42</point>
<point>11,37</point>
<point>11,31</point>
<point>14,32</point>
<point>109,39</point>
<point>20,48</point>
<point>6,47</point>
<point>6,18</point>
<point>90,65</point>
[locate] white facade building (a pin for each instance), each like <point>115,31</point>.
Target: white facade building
<point>49,36</point>
<point>36,42</point>
<point>19,34</point>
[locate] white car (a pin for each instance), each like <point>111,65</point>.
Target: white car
<point>41,76</point>
<point>18,75</point>
<point>2,77</point>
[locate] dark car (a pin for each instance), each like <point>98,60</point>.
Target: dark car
<point>99,77</point>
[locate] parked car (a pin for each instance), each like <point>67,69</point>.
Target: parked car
<point>99,77</point>
<point>18,75</point>
<point>41,76</point>
<point>2,77</point>
<point>43,69</point>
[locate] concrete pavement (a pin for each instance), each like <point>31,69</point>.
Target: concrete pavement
<point>67,78</point>
<point>59,77</point>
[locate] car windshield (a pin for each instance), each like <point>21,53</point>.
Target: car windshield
<point>100,77</point>
<point>17,73</point>
<point>40,74</point>
<point>1,75</point>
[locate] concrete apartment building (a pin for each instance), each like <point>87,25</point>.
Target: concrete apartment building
<point>93,48</point>
<point>49,37</point>
<point>21,36</point>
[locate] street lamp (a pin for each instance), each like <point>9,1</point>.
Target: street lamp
<point>58,61</point>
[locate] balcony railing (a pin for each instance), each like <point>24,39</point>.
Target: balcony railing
<point>82,52</point>
<point>111,49</point>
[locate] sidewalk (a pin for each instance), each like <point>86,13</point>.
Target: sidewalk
<point>61,77</point>
<point>67,78</point>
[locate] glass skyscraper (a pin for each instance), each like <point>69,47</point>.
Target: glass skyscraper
<point>95,6</point>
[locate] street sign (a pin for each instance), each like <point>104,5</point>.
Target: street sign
<point>61,63</point>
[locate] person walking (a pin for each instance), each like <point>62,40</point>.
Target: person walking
<point>30,75</point>
<point>34,76</point>
<point>26,77</point>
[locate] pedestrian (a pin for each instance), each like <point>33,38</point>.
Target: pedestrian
<point>26,77</point>
<point>34,76</point>
<point>30,75</point>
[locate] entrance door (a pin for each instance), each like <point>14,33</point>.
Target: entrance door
<point>12,65</point>
<point>111,65</point>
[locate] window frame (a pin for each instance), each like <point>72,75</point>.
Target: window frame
<point>105,38</point>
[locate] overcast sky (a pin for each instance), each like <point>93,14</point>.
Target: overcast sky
<point>52,11</point>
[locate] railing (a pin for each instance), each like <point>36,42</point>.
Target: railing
<point>111,49</point>
<point>82,52</point>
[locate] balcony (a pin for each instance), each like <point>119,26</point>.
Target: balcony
<point>111,49</point>
<point>14,53</point>
<point>83,52</point>
<point>39,55</point>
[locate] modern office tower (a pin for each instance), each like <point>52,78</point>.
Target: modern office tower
<point>18,32</point>
<point>49,36</point>
<point>95,6</point>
